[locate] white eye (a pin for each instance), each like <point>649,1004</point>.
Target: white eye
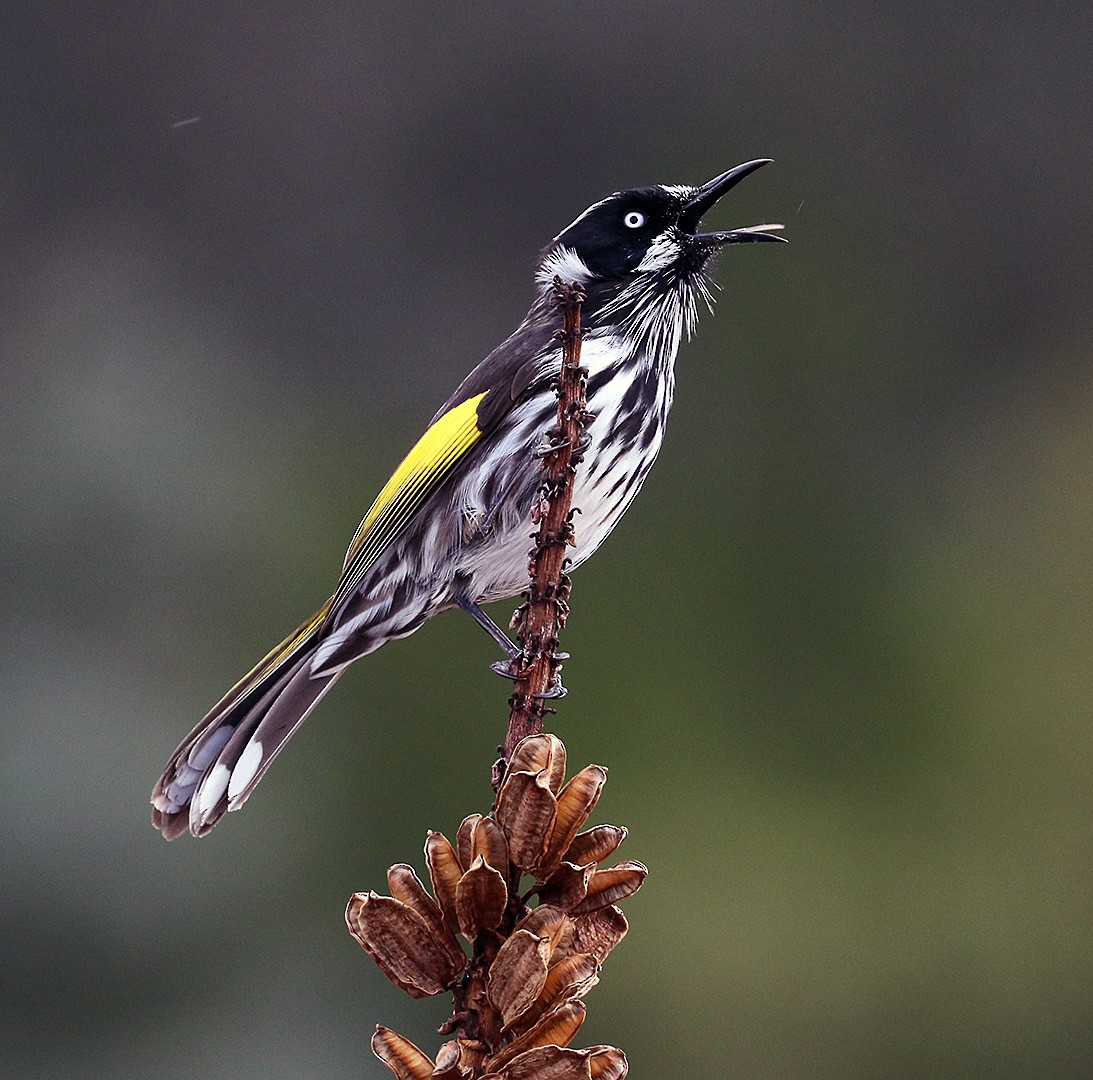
<point>634,219</point>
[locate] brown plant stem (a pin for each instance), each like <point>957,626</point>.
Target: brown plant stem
<point>543,613</point>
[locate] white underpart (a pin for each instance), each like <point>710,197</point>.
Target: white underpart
<point>509,549</point>
<point>245,768</point>
<point>566,264</point>
<point>210,793</point>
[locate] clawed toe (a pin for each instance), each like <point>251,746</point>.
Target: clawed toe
<point>504,669</point>
<point>557,690</point>
<point>511,669</point>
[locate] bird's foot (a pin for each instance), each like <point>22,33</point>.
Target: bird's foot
<point>515,670</point>
<point>555,690</point>
<point>504,669</point>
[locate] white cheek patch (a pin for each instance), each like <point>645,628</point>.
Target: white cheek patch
<point>566,264</point>
<point>663,251</point>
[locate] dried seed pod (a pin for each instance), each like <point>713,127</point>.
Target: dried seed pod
<point>575,802</point>
<point>557,1028</point>
<point>488,840</point>
<point>545,921</point>
<point>400,1055</point>
<point>406,886</point>
<point>608,886</point>
<point>444,872</point>
<point>549,1063</point>
<point>404,945</point>
<point>480,899</point>
<point>567,886</point>
<point>449,1063</point>
<point>537,752</point>
<point>526,809</point>
<point>606,1063</point>
<point>595,845</point>
<point>570,978</point>
<point>517,973</point>
<point>596,933</point>
<point>464,844</point>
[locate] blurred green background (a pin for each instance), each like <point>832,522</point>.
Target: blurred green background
<point>837,657</point>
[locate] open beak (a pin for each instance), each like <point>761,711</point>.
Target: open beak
<point>708,194</point>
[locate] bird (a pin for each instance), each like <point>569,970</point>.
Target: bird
<point>450,529</point>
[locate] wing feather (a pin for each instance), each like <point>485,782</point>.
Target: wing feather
<point>512,371</point>
<point>446,442</point>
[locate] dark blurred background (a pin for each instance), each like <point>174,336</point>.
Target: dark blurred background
<point>837,657</point>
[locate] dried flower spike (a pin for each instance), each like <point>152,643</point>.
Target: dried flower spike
<point>518,996</point>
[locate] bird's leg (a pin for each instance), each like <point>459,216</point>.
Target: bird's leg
<point>491,628</point>
<point>504,668</point>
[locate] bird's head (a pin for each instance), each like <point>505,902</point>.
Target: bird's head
<point>637,247</point>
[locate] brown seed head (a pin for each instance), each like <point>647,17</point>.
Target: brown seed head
<point>517,1001</point>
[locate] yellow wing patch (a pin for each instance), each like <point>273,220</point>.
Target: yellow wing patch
<point>445,442</point>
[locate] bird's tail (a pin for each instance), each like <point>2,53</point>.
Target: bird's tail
<point>219,763</point>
